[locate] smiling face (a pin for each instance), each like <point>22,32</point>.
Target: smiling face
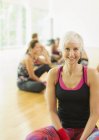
<point>72,52</point>
<point>73,45</point>
<point>37,49</point>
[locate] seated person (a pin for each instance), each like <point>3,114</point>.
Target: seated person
<point>55,53</point>
<point>44,57</point>
<point>72,96</point>
<point>35,36</point>
<point>28,76</point>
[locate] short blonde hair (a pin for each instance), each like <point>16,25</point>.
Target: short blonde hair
<point>72,36</point>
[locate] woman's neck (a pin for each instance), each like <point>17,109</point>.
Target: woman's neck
<point>71,69</point>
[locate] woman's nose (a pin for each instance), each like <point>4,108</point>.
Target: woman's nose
<point>71,52</point>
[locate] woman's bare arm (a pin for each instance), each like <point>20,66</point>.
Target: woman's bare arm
<point>93,77</point>
<point>46,59</point>
<point>51,98</point>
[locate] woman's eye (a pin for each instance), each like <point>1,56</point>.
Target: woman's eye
<point>67,49</point>
<point>75,49</point>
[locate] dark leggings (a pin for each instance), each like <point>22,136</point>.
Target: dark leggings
<point>34,86</point>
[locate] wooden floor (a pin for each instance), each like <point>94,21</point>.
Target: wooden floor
<point>20,112</point>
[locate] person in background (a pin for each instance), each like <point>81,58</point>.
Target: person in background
<point>55,53</point>
<point>35,37</point>
<point>72,96</point>
<point>29,77</point>
<point>57,42</point>
<point>44,57</point>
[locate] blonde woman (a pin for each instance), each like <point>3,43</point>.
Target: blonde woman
<point>74,89</point>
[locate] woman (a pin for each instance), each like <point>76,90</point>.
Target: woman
<point>75,89</point>
<point>35,36</point>
<point>55,53</point>
<point>46,58</point>
<point>28,77</point>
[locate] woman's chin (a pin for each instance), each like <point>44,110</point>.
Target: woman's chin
<point>72,62</point>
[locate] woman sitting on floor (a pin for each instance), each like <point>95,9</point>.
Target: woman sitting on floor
<point>55,53</point>
<point>72,96</point>
<point>28,76</point>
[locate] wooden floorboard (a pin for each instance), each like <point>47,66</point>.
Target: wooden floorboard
<point>20,112</point>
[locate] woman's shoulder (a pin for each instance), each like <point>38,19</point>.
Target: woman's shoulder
<point>92,74</point>
<point>27,58</point>
<point>54,70</point>
<point>92,70</point>
<point>53,73</point>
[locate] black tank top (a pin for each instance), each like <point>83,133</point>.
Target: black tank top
<point>73,105</point>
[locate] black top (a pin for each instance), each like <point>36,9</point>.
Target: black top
<point>73,105</point>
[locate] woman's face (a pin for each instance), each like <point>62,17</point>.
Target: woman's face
<point>37,48</point>
<point>72,52</point>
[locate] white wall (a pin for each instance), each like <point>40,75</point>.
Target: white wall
<point>39,4</point>
<point>78,15</point>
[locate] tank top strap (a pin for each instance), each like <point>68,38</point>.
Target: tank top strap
<point>85,74</point>
<point>58,73</point>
